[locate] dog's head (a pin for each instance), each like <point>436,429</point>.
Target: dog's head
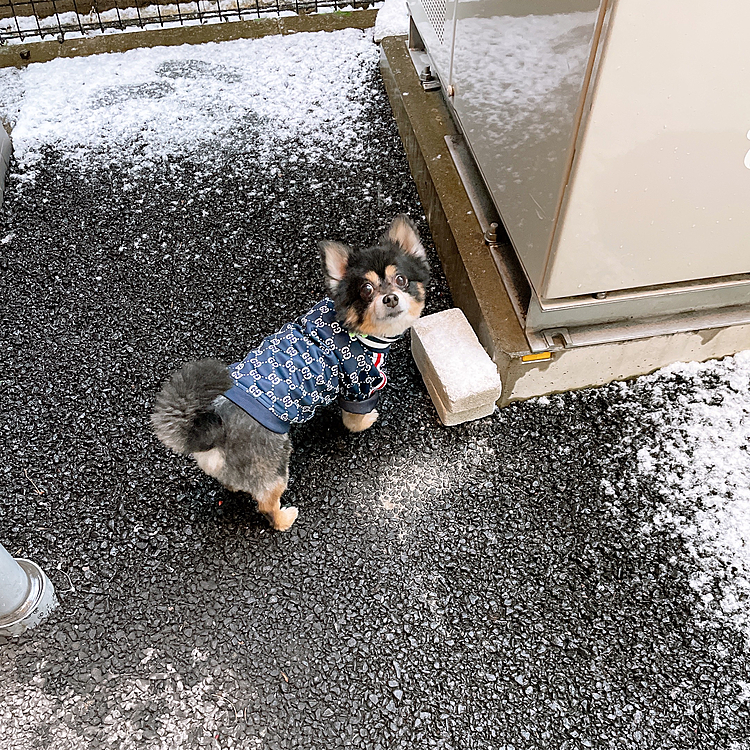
<point>380,290</point>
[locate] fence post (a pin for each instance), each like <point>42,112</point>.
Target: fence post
<point>26,594</point>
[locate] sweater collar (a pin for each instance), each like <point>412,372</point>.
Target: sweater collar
<point>375,342</point>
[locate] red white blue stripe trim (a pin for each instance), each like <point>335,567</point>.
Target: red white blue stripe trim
<point>378,363</point>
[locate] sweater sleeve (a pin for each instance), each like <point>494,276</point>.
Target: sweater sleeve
<point>359,407</point>
<point>362,395</point>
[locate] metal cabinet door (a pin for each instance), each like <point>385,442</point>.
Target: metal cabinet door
<point>660,189</point>
<point>519,76</point>
<point>434,21</point>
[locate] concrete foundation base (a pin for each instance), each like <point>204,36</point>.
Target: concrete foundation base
<point>424,122</point>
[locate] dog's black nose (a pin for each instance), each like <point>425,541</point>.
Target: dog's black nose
<point>390,300</point>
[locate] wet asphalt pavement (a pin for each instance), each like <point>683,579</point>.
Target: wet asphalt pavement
<point>493,585</point>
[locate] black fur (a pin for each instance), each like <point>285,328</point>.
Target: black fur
<point>186,397</point>
<point>206,432</point>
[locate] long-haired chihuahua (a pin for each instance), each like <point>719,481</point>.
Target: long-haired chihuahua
<point>234,421</point>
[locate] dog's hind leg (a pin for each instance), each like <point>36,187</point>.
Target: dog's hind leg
<point>256,461</point>
<point>358,422</point>
<point>211,461</point>
<point>269,504</point>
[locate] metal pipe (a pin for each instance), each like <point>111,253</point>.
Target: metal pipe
<point>14,584</point>
<point>26,594</point>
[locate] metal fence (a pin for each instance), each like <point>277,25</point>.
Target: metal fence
<point>33,20</point>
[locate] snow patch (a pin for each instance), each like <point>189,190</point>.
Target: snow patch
<point>303,91</point>
<point>700,459</point>
<point>392,20</point>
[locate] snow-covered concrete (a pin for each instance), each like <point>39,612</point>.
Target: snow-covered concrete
<point>392,19</point>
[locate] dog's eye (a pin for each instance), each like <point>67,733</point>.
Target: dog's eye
<point>401,281</point>
<point>367,291</point>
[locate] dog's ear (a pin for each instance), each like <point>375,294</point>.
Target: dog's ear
<point>404,233</point>
<point>335,257</point>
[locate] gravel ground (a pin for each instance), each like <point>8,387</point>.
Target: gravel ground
<point>500,584</point>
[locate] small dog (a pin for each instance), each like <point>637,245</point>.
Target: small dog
<point>235,421</point>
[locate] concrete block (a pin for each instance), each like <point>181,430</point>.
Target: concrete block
<point>460,377</point>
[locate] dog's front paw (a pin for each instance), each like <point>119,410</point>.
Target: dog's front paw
<point>358,422</point>
<point>284,518</point>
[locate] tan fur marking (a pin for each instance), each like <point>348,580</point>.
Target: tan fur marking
<point>401,232</point>
<point>358,422</point>
<point>390,272</point>
<point>269,504</point>
<point>416,306</point>
<point>369,323</point>
<point>350,321</point>
<point>372,277</point>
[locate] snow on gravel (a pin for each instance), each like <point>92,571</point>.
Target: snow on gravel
<point>144,105</point>
<point>699,458</point>
<point>140,107</point>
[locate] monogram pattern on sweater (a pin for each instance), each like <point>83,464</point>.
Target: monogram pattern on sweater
<point>310,363</point>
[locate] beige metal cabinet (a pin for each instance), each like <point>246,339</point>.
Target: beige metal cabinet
<point>613,138</point>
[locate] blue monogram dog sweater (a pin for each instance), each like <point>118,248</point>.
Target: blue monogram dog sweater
<point>309,363</point>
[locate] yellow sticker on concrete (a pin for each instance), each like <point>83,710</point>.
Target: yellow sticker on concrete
<point>538,357</point>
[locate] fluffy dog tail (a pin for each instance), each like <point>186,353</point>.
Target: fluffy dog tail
<point>183,417</point>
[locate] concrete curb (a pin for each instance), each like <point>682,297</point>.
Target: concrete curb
<point>20,55</point>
